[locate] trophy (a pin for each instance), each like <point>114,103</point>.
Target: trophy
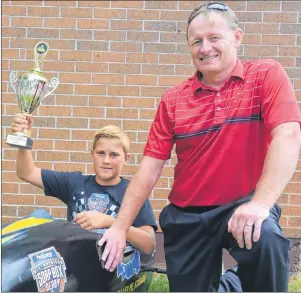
<point>31,88</point>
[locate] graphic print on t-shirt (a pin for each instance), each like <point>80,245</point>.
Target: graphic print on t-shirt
<point>100,202</point>
<point>80,206</point>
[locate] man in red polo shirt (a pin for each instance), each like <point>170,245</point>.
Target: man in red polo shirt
<point>236,127</point>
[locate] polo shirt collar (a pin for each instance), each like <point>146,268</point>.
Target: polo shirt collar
<point>238,71</point>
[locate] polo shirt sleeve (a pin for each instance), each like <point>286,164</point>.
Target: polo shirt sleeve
<point>161,139</point>
<point>59,184</point>
<point>279,103</point>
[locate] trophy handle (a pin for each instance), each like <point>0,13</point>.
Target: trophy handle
<point>51,88</point>
<point>13,78</point>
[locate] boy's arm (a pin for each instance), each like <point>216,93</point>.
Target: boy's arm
<point>142,238</point>
<point>25,167</point>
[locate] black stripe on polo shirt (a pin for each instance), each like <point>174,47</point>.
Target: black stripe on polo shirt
<point>179,136</point>
<point>245,119</point>
<point>218,127</point>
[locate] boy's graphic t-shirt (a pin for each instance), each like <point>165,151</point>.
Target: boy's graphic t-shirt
<point>99,202</point>
<point>82,193</point>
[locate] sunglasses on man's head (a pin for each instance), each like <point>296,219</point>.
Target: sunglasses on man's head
<point>213,6</point>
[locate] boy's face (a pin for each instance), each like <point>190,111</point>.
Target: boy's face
<point>108,159</point>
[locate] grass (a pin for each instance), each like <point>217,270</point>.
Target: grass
<point>295,282</point>
<point>160,283</point>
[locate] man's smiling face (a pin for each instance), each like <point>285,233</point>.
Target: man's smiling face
<point>213,44</point>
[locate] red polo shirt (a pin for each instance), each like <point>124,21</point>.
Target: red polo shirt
<point>221,136</point>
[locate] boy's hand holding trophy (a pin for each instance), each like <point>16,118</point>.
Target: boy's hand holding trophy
<point>31,88</point>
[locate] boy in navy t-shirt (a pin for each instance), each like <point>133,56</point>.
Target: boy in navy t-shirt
<point>93,201</point>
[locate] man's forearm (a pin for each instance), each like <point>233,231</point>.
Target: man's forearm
<point>279,166</point>
<point>136,194</point>
<point>138,191</point>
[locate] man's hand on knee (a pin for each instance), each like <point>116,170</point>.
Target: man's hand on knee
<point>245,223</point>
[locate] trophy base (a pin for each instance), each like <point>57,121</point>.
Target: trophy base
<point>23,142</point>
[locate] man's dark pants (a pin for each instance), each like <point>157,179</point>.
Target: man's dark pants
<point>193,241</point>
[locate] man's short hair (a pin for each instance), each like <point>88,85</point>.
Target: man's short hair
<point>215,7</point>
<point>113,132</point>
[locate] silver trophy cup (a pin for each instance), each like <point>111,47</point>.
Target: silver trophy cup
<point>31,88</point>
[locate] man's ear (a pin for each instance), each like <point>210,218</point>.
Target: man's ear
<point>238,37</point>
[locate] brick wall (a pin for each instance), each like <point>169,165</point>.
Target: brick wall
<point>114,60</point>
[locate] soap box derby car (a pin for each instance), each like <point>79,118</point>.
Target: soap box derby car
<point>47,255</point>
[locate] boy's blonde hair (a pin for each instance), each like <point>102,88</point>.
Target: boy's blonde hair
<point>113,132</point>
